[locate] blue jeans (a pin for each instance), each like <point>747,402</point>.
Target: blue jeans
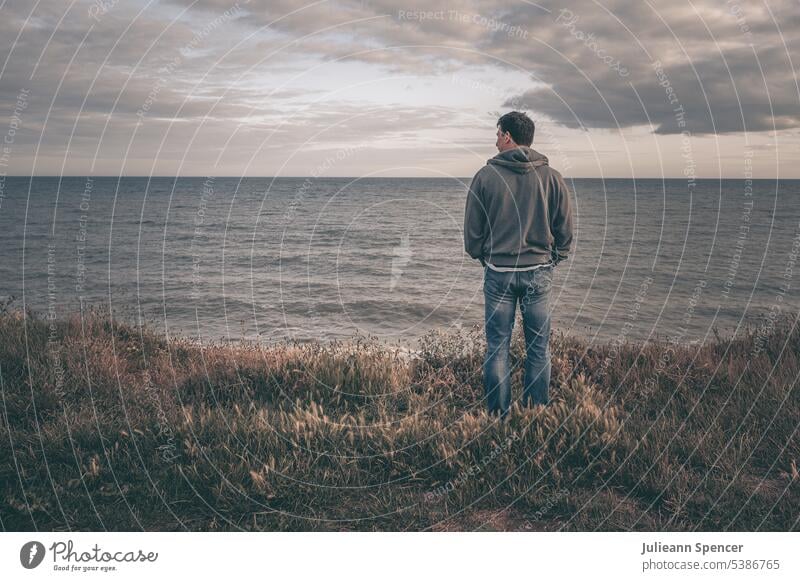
<point>501,292</point>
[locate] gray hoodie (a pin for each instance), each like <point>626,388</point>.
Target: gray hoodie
<point>518,211</point>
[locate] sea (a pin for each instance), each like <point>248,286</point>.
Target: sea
<point>311,259</point>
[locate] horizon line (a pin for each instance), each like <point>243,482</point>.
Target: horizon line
<point>384,177</point>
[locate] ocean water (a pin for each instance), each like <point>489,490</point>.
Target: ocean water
<point>296,258</point>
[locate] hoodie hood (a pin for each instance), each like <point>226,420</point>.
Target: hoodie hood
<point>520,159</point>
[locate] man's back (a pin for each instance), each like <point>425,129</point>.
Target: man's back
<point>518,211</point>
<point>517,216</point>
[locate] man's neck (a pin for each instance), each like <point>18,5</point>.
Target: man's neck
<point>514,146</point>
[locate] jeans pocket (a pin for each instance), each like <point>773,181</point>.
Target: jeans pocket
<point>544,278</point>
<point>539,282</point>
<point>496,282</point>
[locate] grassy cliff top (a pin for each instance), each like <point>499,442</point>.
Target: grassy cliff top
<point>111,426</point>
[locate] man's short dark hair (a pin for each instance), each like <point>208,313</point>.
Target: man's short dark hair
<point>519,125</point>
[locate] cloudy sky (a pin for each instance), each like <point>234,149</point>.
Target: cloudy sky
<point>398,88</point>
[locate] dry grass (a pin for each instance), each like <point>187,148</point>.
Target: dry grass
<point>108,426</point>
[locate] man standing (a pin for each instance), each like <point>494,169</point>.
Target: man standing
<point>518,223</point>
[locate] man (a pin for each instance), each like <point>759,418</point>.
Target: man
<point>518,223</point>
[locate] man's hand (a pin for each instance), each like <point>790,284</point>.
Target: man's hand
<point>555,258</point>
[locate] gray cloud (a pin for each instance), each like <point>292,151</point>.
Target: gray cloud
<point>713,54</point>
<point>590,66</point>
<point>715,75</point>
